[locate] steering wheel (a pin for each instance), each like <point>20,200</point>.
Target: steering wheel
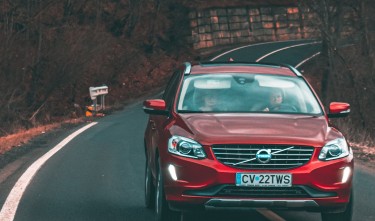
<point>287,108</point>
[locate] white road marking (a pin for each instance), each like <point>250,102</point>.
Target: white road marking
<point>263,43</point>
<point>269,214</point>
<point>8,211</point>
<point>285,48</point>
<point>307,59</point>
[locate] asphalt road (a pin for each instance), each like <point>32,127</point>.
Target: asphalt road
<point>99,175</point>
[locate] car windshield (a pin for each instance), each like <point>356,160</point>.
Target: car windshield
<point>238,92</point>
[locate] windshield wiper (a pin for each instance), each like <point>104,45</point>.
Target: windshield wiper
<point>191,111</point>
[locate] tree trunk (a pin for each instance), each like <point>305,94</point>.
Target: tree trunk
<point>326,71</point>
<point>366,48</point>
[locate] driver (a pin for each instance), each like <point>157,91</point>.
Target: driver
<point>275,100</point>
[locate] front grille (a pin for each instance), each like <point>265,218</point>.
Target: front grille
<point>264,192</point>
<point>243,156</point>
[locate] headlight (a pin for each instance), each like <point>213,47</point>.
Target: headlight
<point>334,149</point>
<point>186,147</point>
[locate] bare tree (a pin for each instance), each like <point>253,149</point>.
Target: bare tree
<point>329,13</point>
<point>345,74</point>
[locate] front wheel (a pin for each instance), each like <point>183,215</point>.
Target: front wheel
<point>163,212</point>
<point>149,188</point>
<point>343,216</point>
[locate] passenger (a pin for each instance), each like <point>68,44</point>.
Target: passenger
<point>210,102</point>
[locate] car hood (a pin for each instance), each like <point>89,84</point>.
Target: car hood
<point>259,128</point>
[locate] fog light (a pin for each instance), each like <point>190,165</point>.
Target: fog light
<point>172,172</point>
<point>345,174</point>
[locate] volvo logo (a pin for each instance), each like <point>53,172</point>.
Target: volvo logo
<point>263,156</point>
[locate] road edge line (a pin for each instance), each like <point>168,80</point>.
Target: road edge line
<point>8,211</point>
<point>255,44</point>
<point>307,59</point>
<point>285,48</point>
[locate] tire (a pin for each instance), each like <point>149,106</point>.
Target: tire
<point>343,216</point>
<point>163,212</point>
<point>149,188</point>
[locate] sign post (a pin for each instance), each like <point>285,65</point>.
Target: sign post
<point>98,92</point>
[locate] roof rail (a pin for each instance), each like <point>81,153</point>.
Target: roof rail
<point>187,68</point>
<point>203,63</point>
<point>293,69</point>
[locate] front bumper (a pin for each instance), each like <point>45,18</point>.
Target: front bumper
<point>200,182</point>
<point>241,203</point>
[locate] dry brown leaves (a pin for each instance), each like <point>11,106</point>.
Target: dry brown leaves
<point>23,136</point>
<point>363,152</point>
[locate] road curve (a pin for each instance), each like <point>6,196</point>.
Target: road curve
<point>99,175</point>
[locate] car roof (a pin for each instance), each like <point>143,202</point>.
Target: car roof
<point>241,67</point>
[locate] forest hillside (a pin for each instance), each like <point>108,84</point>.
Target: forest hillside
<point>52,51</point>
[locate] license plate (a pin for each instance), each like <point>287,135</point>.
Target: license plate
<point>264,180</point>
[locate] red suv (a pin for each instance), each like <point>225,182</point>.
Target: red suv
<point>245,135</point>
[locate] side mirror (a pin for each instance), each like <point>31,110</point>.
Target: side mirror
<point>155,106</point>
<point>338,109</point>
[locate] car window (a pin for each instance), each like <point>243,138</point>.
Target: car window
<point>170,90</point>
<point>246,93</point>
